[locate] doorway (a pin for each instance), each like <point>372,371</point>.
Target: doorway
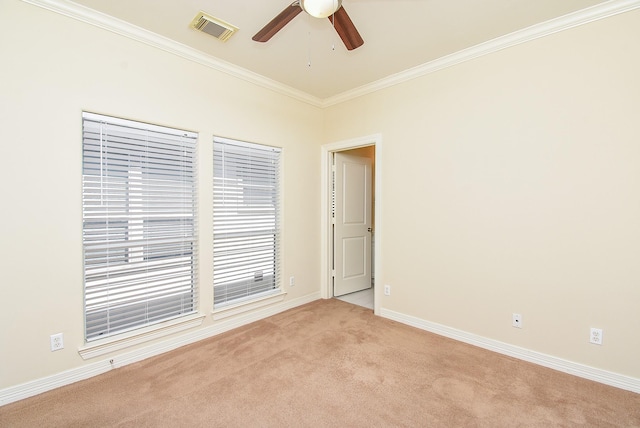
<point>350,250</point>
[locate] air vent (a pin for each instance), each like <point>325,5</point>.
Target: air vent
<point>213,26</point>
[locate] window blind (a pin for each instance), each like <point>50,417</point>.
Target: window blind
<point>246,180</point>
<point>139,224</point>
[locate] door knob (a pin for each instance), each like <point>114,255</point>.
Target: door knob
<point>368,229</point>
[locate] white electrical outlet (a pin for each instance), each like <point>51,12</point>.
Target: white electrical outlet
<point>596,336</point>
<point>292,281</point>
<point>517,320</point>
<point>57,342</point>
<point>387,290</point>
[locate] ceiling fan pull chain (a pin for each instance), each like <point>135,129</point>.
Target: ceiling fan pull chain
<point>337,5</point>
<point>309,50</point>
<point>333,38</point>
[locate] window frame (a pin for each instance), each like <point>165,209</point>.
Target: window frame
<point>242,291</point>
<point>152,190</point>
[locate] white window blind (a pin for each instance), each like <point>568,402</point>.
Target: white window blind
<point>246,180</point>
<point>139,224</point>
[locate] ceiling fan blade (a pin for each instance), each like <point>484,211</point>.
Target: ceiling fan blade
<point>346,30</point>
<point>277,23</point>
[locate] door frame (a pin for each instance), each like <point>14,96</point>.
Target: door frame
<point>326,250</point>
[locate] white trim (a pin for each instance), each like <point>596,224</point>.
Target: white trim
<point>571,20</point>
<point>117,26</point>
<point>249,144</point>
<point>598,375</point>
<point>229,310</point>
<point>325,214</point>
<point>207,332</point>
<point>127,123</point>
<point>38,386</point>
<point>137,337</point>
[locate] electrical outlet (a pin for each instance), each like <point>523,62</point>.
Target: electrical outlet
<point>387,290</point>
<point>57,342</point>
<point>596,336</point>
<point>517,320</point>
<point>292,281</point>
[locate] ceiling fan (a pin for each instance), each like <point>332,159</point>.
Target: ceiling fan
<point>331,9</point>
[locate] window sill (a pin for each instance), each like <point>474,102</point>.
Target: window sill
<point>246,306</point>
<point>126,340</point>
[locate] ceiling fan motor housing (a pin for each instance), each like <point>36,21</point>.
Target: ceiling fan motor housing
<point>320,8</point>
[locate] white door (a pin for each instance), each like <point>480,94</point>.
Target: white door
<point>352,228</point>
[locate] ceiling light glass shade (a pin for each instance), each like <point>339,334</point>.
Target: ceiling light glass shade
<point>320,8</point>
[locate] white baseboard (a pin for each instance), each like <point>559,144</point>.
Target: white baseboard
<point>576,369</point>
<point>207,332</point>
<point>38,386</point>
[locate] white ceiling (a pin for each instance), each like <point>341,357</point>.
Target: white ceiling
<point>398,34</point>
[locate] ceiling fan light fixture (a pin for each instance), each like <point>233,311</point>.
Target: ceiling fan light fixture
<point>320,8</point>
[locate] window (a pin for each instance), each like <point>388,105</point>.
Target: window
<point>139,226</point>
<point>245,220</point>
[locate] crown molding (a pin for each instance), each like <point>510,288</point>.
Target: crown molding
<point>117,26</point>
<point>575,19</point>
<point>98,19</point>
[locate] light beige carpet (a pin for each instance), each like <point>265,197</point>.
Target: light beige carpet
<point>329,364</point>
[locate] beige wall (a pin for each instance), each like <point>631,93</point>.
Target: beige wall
<point>52,69</point>
<point>511,183</point>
